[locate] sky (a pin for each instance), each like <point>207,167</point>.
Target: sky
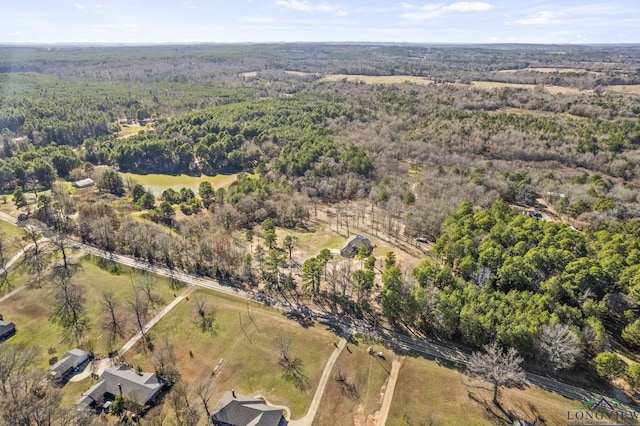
<point>221,21</point>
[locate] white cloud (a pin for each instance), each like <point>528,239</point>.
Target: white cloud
<point>102,28</point>
<point>465,6</point>
<point>542,17</point>
<point>97,6</point>
<point>79,6</point>
<point>408,6</point>
<point>307,6</point>
<point>436,10</point>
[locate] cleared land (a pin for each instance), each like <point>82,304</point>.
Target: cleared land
<point>427,391</point>
<point>372,79</point>
<point>355,390</point>
<point>10,234</point>
<point>158,183</point>
<point>31,309</point>
<point>127,130</point>
<point>244,336</point>
<point>632,89</point>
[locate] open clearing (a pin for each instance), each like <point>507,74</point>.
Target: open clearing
<point>244,335</point>
<point>158,183</point>
<point>127,130</point>
<point>30,309</point>
<point>631,89</point>
<point>357,399</point>
<point>10,234</point>
<point>375,79</point>
<point>427,390</point>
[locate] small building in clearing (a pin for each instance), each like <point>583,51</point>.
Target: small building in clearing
<point>351,246</point>
<point>84,183</point>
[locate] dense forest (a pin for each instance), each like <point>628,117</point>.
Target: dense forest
<point>450,159</point>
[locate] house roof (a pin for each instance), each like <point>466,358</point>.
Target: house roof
<point>6,328</point>
<point>351,240</point>
<point>67,361</point>
<point>83,183</point>
<point>241,410</point>
<point>121,379</point>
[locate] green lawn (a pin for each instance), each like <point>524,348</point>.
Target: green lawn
<point>31,308</point>
<point>427,390</point>
<point>244,337</point>
<point>157,183</point>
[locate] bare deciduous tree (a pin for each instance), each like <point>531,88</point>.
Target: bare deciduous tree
<point>204,389</point>
<point>558,345</point>
<point>497,367</point>
<point>14,360</point>
<point>205,315</point>
<point>113,322</point>
<point>69,309</point>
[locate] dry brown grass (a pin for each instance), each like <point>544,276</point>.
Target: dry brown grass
<point>426,389</point>
<point>631,89</point>
<point>384,79</point>
<point>357,399</point>
<point>243,336</point>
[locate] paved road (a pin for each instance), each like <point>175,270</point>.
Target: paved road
<point>425,347</point>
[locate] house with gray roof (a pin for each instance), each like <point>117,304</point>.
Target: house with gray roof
<point>141,388</point>
<point>7,329</point>
<point>351,246</point>
<point>240,410</point>
<point>83,183</point>
<point>67,364</point>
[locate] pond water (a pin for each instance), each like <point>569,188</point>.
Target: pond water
<point>158,183</point>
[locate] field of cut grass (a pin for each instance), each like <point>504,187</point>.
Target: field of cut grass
<point>244,337</point>
<point>158,183</point>
<point>357,399</point>
<point>31,308</point>
<point>428,391</point>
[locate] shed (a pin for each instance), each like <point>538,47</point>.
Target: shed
<point>351,246</point>
<point>84,183</point>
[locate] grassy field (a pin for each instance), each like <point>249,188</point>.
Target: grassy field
<point>30,309</point>
<point>427,391</point>
<point>356,400</point>
<point>10,234</point>
<point>158,183</point>
<point>244,336</point>
<point>373,79</point>
<point>130,130</point>
<point>632,89</point>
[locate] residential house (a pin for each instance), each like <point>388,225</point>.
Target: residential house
<point>7,329</point>
<point>141,388</point>
<point>69,362</point>
<point>240,410</point>
<point>351,246</point>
